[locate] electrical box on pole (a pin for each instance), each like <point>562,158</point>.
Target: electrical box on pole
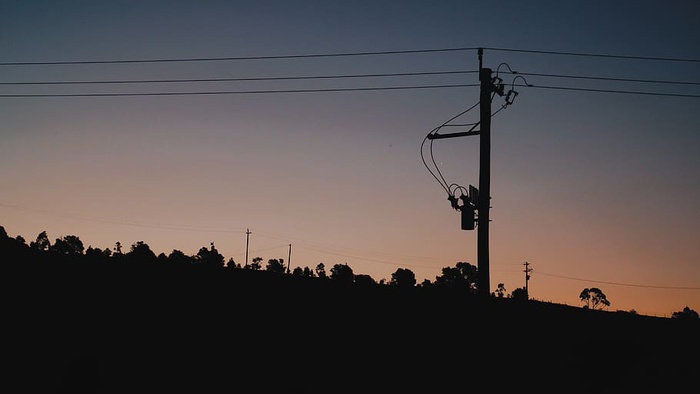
<point>468,217</point>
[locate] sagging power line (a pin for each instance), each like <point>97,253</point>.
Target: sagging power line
<point>332,89</point>
<point>235,92</point>
<point>345,54</point>
<point>336,89</point>
<point>238,58</point>
<point>339,76</point>
<point>598,55</point>
<point>242,79</point>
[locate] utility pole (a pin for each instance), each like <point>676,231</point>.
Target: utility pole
<point>289,257</point>
<point>484,200</point>
<point>476,202</point>
<point>527,278</point>
<point>479,200</point>
<point>247,237</point>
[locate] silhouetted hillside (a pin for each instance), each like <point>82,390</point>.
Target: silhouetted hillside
<point>79,327</point>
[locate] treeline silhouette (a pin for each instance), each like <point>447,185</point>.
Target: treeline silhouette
<point>140,258</point>
<point>95,320</point>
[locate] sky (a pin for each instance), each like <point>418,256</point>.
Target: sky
<point>591,185</point>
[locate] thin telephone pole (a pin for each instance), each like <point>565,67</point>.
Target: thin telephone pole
<point>247,237</point>
<point>527,278</point>
<point>289,257</point>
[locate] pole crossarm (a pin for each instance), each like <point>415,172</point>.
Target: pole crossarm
<point>436,136</point>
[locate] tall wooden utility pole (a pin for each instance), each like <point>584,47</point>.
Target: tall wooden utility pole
<point>481,197</point>
<point>484,200</point>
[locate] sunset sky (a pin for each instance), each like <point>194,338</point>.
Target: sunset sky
<point>592,185</point>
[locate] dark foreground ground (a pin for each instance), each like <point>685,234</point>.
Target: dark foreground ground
<point>119,332</point>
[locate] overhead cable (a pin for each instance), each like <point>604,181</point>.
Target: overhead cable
<point>600,55</point>
<point>616,91</point>
<point>344,54</point>
<point>204,93</point>
<point>655,81</point>
<point>620,284</point>
<point>235,58</point>
<point>242,79</point>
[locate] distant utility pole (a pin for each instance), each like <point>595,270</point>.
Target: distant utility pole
<point>289,257</point>
<point>247,237</point>
<point>527,278</point>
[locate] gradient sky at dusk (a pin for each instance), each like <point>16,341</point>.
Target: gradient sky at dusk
<point>593,189</point>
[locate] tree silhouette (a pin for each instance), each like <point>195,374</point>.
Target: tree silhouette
<point>500,290</point>
<point>69,245</point>
<point>97,254</point>
<point>179,259</point>
<point>364,280</point>
<point>321,270</point>
<point>519,294</point>
<point>463,276</point>
<point>11,248</point>
<point>403,278</point>
<point>686,314</point>
<point>118,247</point>
<point>275,265</point>
<point>42,242</point>
<point>594,298</point>
<point>140,252</point>
<point>305,272</point>
<point>342,273</point>
<point>256,264</point>
<point>425,284</point>
<point>210,258</point>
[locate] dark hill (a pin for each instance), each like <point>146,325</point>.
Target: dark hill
<point>121,330</point>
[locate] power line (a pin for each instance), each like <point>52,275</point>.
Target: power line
<point>620,284</point>
<point>203,93</point>
<point>664,82</point>
<point>438,174</point>
<point>346,54</point>
<point>616,91</point>
<point>328,90</point>
<point>236,58</point>
<point>600,55</point>
<point>288,78</point>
